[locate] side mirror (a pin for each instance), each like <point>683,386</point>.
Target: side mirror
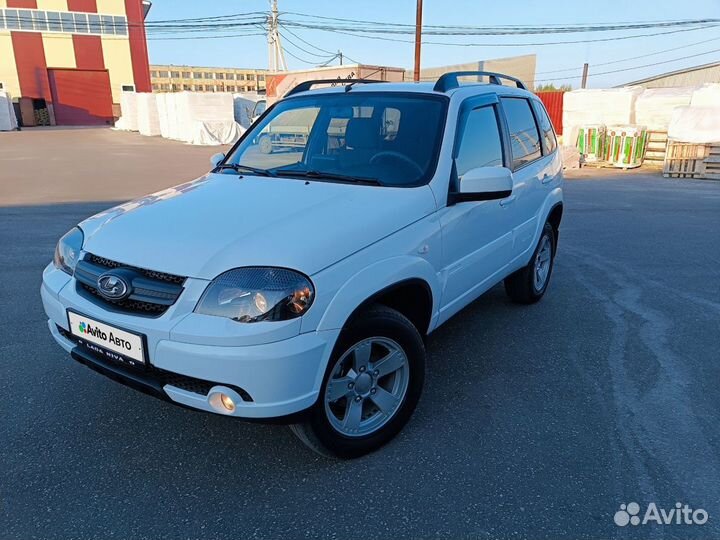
<point>216,159</point>
<point>484,184</point>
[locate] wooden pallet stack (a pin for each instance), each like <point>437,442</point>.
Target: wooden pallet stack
<point>685,160</point>
<point>656,148</point>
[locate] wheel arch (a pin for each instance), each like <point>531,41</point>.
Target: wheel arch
<point>555,217</point>
<point>412,297</point>
<point>408,284</point>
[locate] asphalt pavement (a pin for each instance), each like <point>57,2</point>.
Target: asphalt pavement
<point>535,422</point>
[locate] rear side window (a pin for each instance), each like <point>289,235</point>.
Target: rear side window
<point>524,136</point>
<point>548,135</point>
<point>480,144</point>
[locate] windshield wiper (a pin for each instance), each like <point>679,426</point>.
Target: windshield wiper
<point>245,168</point>
<point>320,175</point>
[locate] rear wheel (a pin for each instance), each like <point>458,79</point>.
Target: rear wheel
<point>528,285</point>
<point>371,387</point>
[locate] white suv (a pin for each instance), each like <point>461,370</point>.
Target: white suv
<point>298,284</point>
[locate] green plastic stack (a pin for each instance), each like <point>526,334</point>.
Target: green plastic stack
<point>625,146</point>
<point>591,142</point>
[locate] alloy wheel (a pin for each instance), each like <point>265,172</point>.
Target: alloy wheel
<point>543,261</point>
<point>367,386</point>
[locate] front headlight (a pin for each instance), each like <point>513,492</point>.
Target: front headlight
<point>67,251</point>
<point>255,294</point>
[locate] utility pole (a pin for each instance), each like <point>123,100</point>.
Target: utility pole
<point>418,39</point>
<point>276,56</point>
<point>584,75</point>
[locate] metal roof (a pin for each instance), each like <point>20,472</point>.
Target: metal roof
<point>671,74</point>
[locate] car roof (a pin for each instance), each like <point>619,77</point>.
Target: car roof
<point>462,91</point>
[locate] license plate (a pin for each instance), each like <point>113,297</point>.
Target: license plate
<point>107,340</point>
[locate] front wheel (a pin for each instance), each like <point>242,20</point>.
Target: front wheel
<point>265,143</point>
<point>371,387</point>
<point>528,285</point>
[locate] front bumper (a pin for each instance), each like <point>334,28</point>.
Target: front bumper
<point>280,377</point>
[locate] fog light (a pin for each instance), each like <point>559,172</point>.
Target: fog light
<point>227,402</point>
<point>223,399</point>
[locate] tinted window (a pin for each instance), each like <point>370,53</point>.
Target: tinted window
<point>524,137</point>
<point>548,135</point>
<point>480,144</point>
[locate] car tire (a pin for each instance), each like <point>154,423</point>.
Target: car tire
<point>358,369</point>
<point>265,144</point>
<point>525,285</point>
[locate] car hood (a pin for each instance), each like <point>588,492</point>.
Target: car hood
<point>219,221</point>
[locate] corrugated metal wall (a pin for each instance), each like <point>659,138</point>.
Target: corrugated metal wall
<point>553,102</point>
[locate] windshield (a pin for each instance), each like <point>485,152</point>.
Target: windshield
<point>378,138</point>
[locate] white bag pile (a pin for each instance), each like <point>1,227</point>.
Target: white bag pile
<point>654,107</point>
<point>696,125</point>
<point>210,119</point>
<point>168,114</point>
<point>162,114</point>
<point>147,114</point>
<point>613,106</point>
<point>198,118</point>
<point>8,121</point>
<point>708,95</point>
<point>128,120</point>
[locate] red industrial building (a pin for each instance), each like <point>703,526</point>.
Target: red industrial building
<point>66,62</point>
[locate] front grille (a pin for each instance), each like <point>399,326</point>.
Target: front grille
<point>134,306</point>
<point>151,274</point>
<point>152,292</point>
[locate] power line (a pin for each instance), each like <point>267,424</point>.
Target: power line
<point>514,26</point>
<point>353,61</point>
<point>531,44</point>
<point>204,19</point>
<point>312,63</point>
<point>226,36</point>
<point>304,41</point>
<point>447,30</point>
<point>323,56</point>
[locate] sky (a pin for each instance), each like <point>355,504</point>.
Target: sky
<point>251,51</point>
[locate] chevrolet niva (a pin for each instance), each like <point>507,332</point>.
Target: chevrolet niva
<point>296,282</point>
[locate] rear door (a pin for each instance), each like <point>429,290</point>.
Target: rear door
<point>477,235</point>
<point>528,165</point>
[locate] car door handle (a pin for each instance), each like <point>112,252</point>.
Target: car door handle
<point>547,178</point>
<point>509,200</point>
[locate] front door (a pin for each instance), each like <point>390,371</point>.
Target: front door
<point>477,236</point>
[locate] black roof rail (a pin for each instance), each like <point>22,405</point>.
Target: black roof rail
<point>448,81</point>
<point>307,85</point>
